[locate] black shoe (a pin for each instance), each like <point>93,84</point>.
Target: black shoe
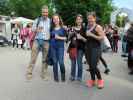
<point>107,71</point>
<point>72,79</point>
<point>79,79</point>
<point>63,80</point>
<point>130,73</point>
<point>56,80</point>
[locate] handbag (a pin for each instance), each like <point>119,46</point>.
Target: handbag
<point>105,44</point>
<point>73,53</point>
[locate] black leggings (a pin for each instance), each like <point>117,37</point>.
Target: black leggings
<point>103,62</point>
<point>92,56</point>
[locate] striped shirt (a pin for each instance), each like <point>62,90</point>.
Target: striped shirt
<point>45,25</point>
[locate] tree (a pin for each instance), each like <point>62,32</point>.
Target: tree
<point>4,8</point>
<point>69,8</point>
<point>27,8</point>
<point>121,20</point>
<point>66,8</point>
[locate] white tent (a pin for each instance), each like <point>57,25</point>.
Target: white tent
<point>21,20</point>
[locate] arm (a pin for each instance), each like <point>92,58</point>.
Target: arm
<point>80,37</point>
<point>13,31</point>
<point>60,37</point>
<point>100,33</point>
<point>18,32</point>
<point>34,28</point>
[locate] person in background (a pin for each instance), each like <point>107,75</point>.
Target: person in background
<point>15,34</point>
<point>28,36</point>
<point>115,40</point>
<point>109,34</point>
<point>23,36</point>
<point>107,70</point>
<point>124,44</point>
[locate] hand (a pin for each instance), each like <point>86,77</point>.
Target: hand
<point>65,27</point>
<point>89,34</point>
<point>56,36</point>
<point>38,30</point>
<point>65,39</point>
<point>79,36</point>
<point>74,38</point>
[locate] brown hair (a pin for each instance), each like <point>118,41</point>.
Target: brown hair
<point>60,19</point>
<point>44,7</point>
<point>91,13</point>
<point>78,15</point>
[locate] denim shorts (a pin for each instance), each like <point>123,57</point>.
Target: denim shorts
<point>40,44</point>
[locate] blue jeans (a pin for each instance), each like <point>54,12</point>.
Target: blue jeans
<point>124,47</point>
<point>80,66</point>
<point>58,57</point>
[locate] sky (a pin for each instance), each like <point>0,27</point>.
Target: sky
<point>123,3</point>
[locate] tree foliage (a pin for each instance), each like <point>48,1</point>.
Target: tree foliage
<point>121,20</point>
<point>69,8</point>
<point>27,8</point>
<point>66,8</point>
<point>4,8</point>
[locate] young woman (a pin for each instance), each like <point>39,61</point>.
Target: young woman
<point>76,48</point>
<point>94,35</point>
<point>57,46</point>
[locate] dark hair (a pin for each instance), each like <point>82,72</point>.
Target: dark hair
<point>78,15</point>
<point>52,23</point>
<point>132,24</point>
<point>91,13</point>
<point>27,25</point>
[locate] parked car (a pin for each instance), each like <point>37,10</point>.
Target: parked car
<point>4,41</point>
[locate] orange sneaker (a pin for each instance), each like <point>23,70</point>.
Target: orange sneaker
<point>100,84</point>
<point>90,83</point>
